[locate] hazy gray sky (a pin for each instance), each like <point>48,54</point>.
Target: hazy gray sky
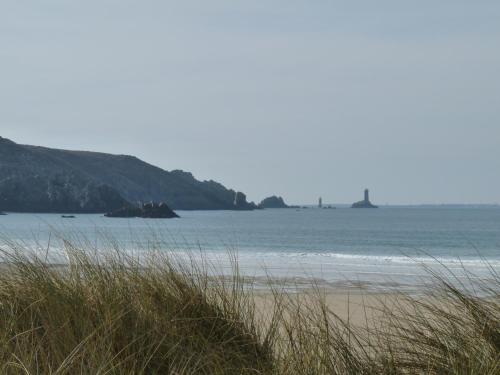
<point>299,98</point>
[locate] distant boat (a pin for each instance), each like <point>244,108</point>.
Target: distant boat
<point>68,216</point>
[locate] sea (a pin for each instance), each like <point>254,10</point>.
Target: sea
<point>378,249</point>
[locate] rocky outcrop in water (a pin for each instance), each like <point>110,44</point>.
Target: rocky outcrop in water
<point>146,211</point>
<point>273,202</point>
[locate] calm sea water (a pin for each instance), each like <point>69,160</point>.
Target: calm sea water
<point>382,247</point>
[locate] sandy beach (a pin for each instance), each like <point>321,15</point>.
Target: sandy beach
<point>359,307</point>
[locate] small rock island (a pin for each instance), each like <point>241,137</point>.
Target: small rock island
<point>146,211</point>
<point>365,203</point>
<point>273,202</point>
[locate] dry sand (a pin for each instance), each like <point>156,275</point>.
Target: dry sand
<point>358,306</point>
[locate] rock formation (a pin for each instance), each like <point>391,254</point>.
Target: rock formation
<point>57,194</point>
<point>273,202</point>
<point>365,203</point>
<point>39,179</point>
<point>146,211</point>
<point>240,202</point>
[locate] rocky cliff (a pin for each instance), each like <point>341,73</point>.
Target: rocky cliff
<point>39,179</point>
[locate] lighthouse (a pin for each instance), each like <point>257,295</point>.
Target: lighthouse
<point>365,203</point>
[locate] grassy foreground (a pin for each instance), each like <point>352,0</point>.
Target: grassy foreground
<point>111,314</point>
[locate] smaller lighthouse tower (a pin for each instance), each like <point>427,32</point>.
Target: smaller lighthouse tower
<point>320,202</point>
<point>367,198</point>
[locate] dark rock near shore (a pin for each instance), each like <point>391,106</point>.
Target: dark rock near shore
<point>273,202</point>
<point>365,203</point>
<point>147,211</point>
<point>2,213</point>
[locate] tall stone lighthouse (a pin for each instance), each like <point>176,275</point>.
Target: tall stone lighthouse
<point>365,203</point>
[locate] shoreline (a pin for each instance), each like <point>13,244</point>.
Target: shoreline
<point>307,284</point>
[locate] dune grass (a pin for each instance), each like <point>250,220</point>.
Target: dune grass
<point>110,313</point>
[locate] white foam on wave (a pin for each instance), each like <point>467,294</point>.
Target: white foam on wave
<point>331,267</point>
<point>374,259</point>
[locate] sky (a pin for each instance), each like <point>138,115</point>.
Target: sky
<point>295,98</point>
